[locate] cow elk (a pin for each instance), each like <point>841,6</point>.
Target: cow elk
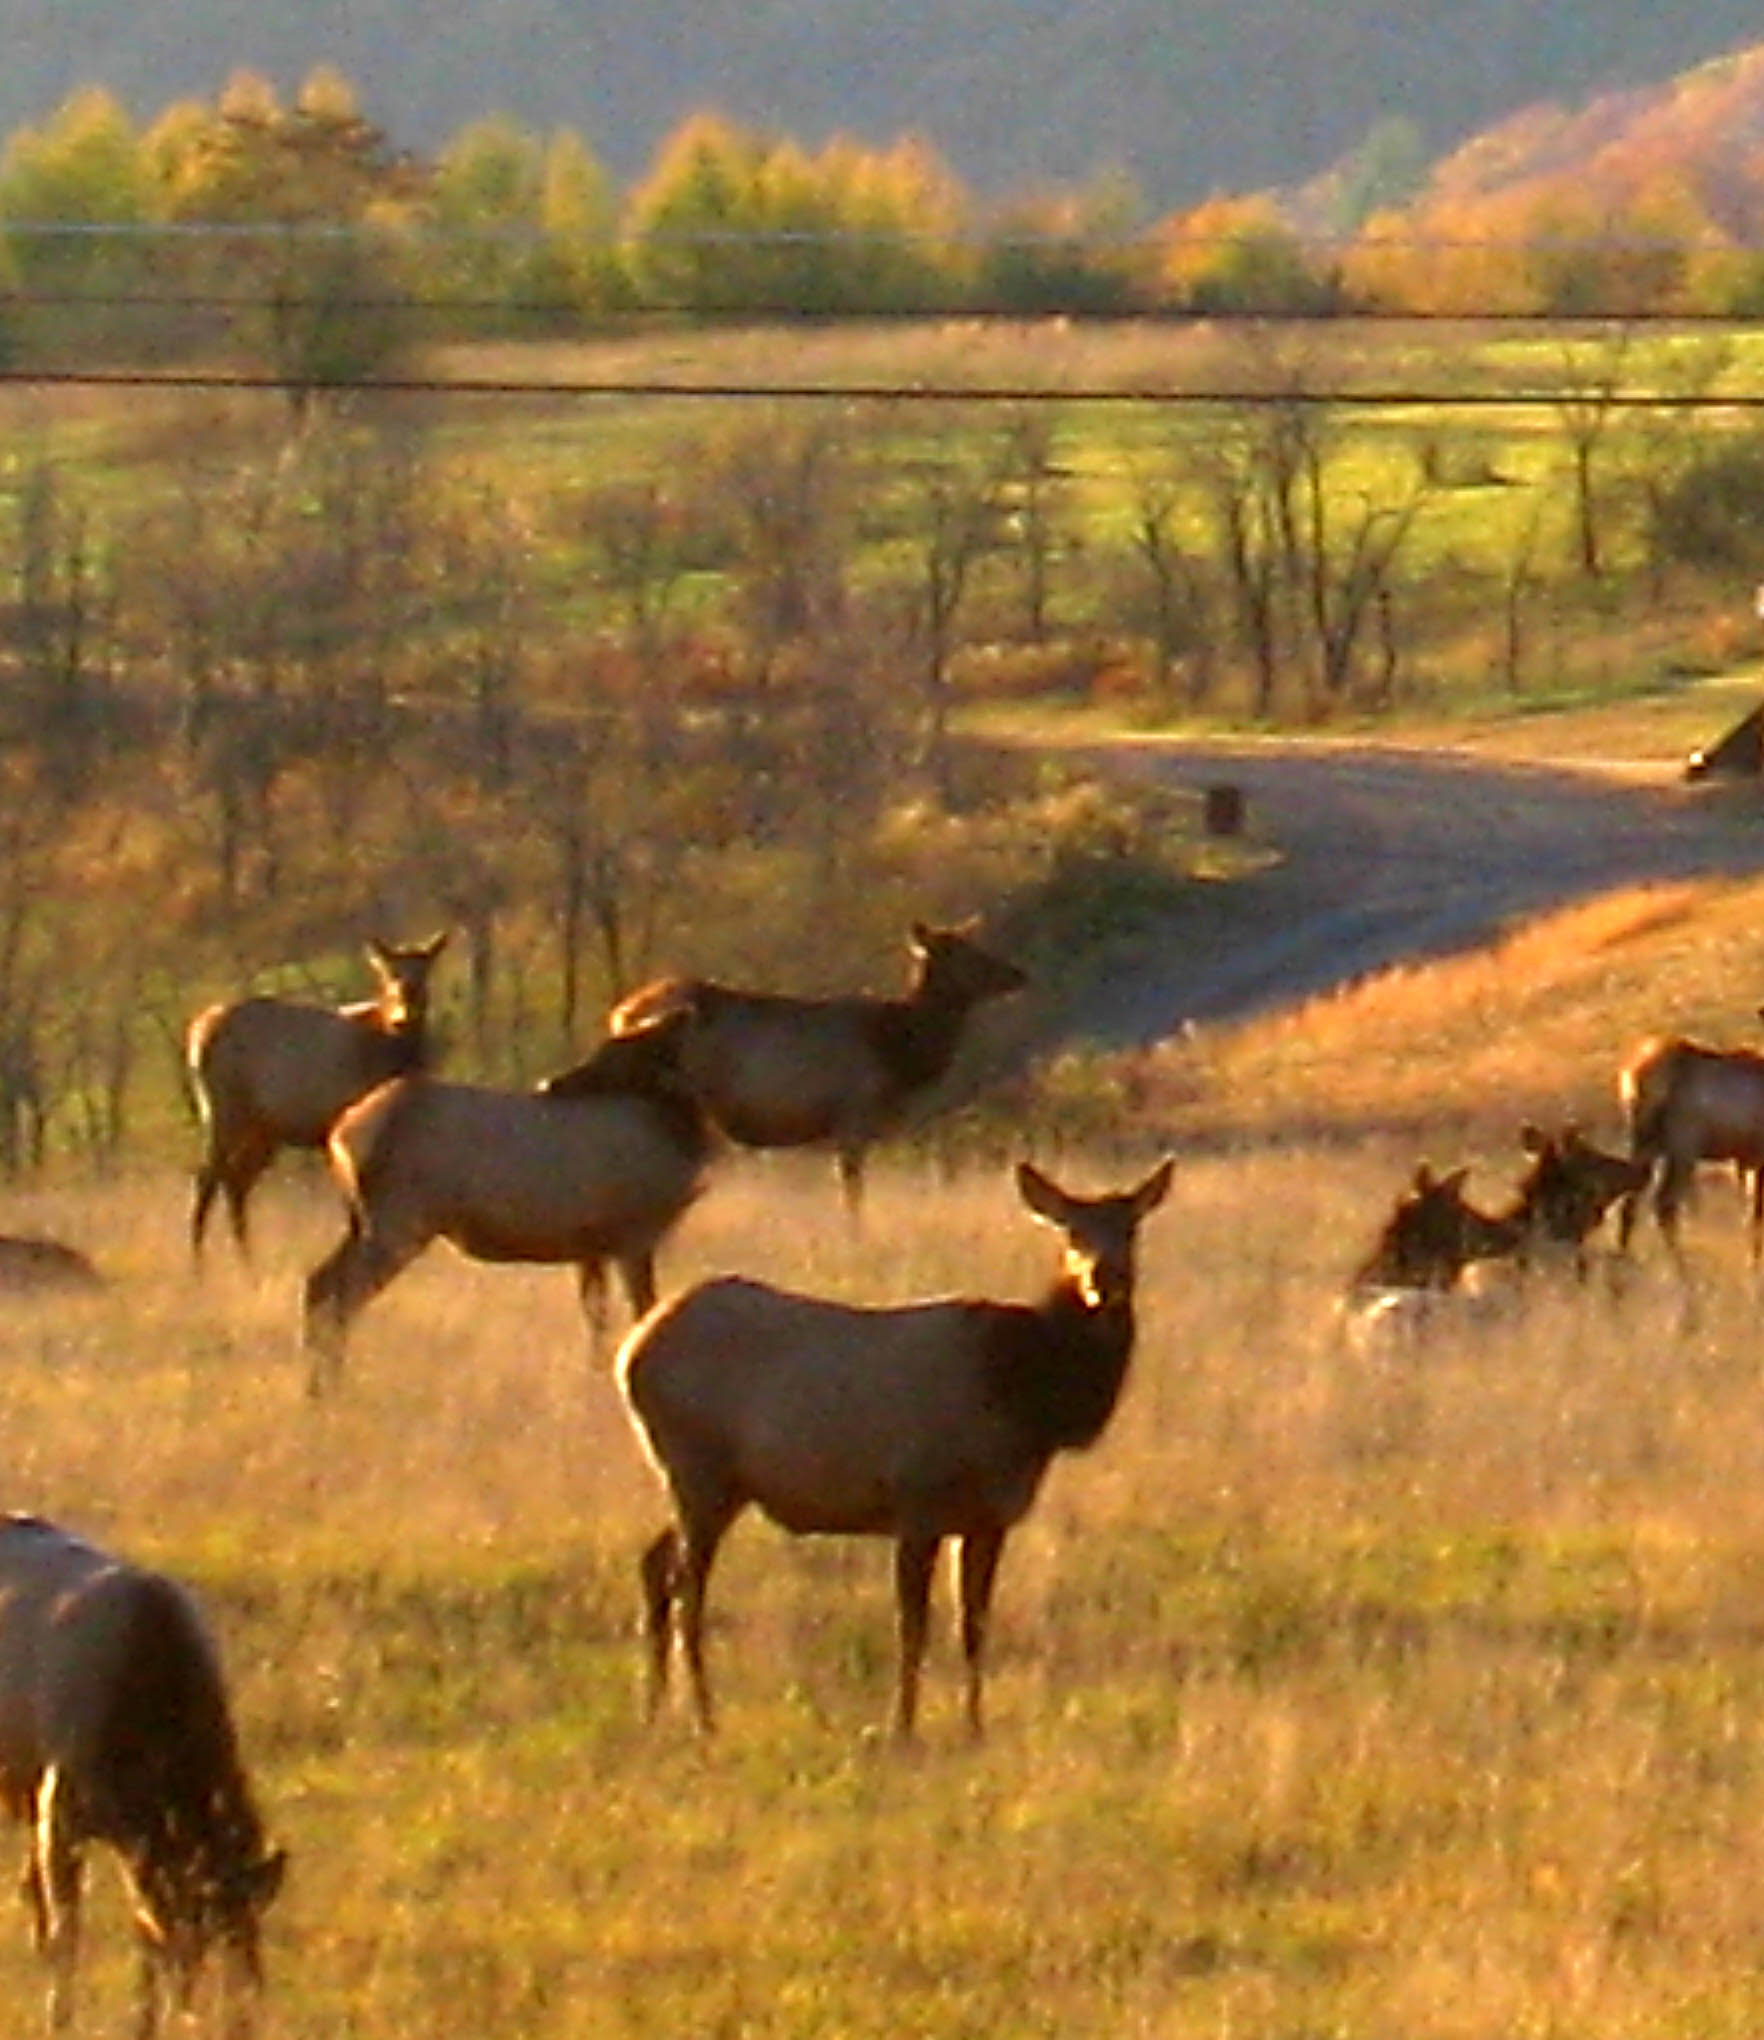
<point>780,1072</point>
<point>598,1165</point>
<point>1688,1103</point>
<point>919,1422</point>
<point>115,1729</point>
<point>271,1073</point>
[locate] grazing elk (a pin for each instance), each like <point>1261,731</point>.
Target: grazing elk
<point>780,1072</point>
<point>597,1165</point>
<point>1688,1103</point>
<point>921,1422</point>
<point>272,1073</point>
<point>115,1729</point>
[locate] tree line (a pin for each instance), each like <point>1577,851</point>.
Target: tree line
<point>300,234</point>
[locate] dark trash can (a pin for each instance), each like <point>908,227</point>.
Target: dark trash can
<point>1223,810</point>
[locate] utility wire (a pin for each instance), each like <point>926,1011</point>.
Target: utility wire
<point>872,391</point>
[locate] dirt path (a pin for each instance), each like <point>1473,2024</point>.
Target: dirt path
<point>1390,854</point>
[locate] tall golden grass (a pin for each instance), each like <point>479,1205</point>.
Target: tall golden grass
<point>1416,1698</point>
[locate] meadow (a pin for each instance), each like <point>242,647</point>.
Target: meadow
<point>1331,1699</point>
<point>1417,1697</point>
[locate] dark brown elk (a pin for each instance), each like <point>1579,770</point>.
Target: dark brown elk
<point>271,1073</point>
<point>780,1072</point>
<point>1687,1104</point>
<point>115,1729</point>
<point>921,1422</point>
<point>1413,1281</point>
<point>1565,1196</point>
<point>596,1166</point>
<point>28,1262</point>
<point>1432,1235</point>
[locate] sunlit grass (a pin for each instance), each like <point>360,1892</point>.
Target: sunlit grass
<point>1327,1697</point>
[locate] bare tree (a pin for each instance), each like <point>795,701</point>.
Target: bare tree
<point>1033,484</point>
<point>1586,407</point>
<point>1308,565</point>
<point>1170,593</point>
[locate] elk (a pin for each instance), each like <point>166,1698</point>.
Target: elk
<point>29,1263</point>
<point>780,1072</point>
<point>1688,1103</point>
<point>917,1422</point>
<point>1414,1279</point>
<point>271,1073</point>
<point>115,1729</point>
<point>597,1165</point>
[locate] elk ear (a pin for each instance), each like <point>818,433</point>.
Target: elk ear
<point>1043,1196</point>
<point>1532,1138</point>
<point>1423,1182</point>
<point>1453,1184</point>
<point>268,1874</point>
<point>1152,1192</point>
<point>920,935</point>
<point>435,944</point>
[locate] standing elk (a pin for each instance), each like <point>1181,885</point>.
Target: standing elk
<point>115,1729</point>
<point>272,1073</point>
<point>597,1165</point>
<point>780,1072</point>
<point>1688,1103</point>
<point>920,1422</point>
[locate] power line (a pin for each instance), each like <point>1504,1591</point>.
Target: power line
<point>874,391</point>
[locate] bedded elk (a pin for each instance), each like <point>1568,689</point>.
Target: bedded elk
<point>115,1730</point>
<point>1688,1103</point>
<point>596,1166</point>
<point>271,1073</point>
<point>780,1072</point>
<point>29,1262</point>
<point>1414,1279</point>
<point>920,1422</point>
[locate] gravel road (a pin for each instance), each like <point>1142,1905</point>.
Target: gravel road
<point>1389,854</point>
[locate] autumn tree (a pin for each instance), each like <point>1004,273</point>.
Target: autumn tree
<point>520,229</point>
<point>306,208</point>
<point>1064,252</point>
<point>729,221</point>
<point>75,203</point>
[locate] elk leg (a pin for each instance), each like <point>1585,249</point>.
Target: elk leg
<point>1669,1202</point>
<point>235,1170</point>
<point>659,1570</point>
<point>1629,1211</point>
<point>637,1277</point>
<point>915,1559</point>
<point>340,1288</point>
<point>977,1564</point>
<point>702,1537</point>
<point>149,1981</point>
<point>57,1875</point>
<point>591,1291</point>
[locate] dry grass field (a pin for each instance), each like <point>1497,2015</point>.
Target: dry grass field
<point>1408,1699</point>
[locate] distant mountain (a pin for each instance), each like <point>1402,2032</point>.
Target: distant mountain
<point>1187,96</point>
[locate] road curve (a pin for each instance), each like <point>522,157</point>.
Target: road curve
<point>1388,854</point>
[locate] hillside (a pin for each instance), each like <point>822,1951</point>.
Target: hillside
<point>1187,98</point>
<point>1693,143</point>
